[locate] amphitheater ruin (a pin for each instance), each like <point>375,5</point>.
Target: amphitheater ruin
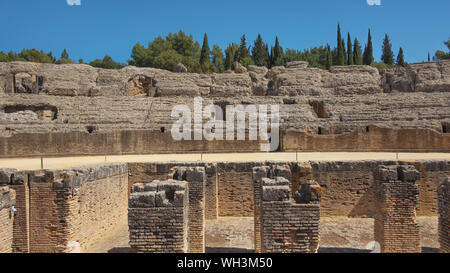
<point>356,144</point>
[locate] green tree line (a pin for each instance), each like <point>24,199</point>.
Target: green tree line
<point>39,56</point>
<point>167,52</point>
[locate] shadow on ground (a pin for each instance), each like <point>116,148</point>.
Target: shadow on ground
<point>121,250</point>
<point>228,250</point>
<point>342,250</point>
<point>356,250</point>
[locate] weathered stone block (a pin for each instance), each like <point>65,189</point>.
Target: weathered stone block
<point>408,173</point>
<point>276,193</point>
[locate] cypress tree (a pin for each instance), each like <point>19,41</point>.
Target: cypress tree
<point>357,58</point>
<point>277,54</point>
<point>243,50</point>
<point>388,55</point>
<point>340,48</point>
<point>345,51</point>
<point>260,52</point>
<point>64,54</point>
<point>205,58</point>
<point>329,57</point>
<point>349,51</point>
<point>400,58</point>
<point>368,51</point>
<point>230,55</point>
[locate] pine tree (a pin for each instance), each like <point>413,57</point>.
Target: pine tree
<point>340,48</point>
<point>260,52</point>
<point>400,58</point>
<point>388,56</point>
<point>243,50</point>
<point>205,58</point>
<point>357,58</point>
<point>350,60</point>
<point>368,51</point>
<point>277,54</point>
<point>329,57</point>
<point>64,54</point>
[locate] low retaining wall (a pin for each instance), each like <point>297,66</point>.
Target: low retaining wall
<point>378,139</point>
<point>347,186</point>
<point>58,207</point>
<point>161,141</point>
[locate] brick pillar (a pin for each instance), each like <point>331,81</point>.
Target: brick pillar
<point>211,193</point>
<point>258,174</point>
<point>396,200</point>
<point>7,201</point>
<point>288,226</point>
<point>158,217</point>
<point>444,216</point>
<point>50,225</point>
<point>196,178</point>
<point>19,182</point>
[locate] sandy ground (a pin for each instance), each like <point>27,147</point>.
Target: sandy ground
<point>235,235</point>
<point>69,162</point>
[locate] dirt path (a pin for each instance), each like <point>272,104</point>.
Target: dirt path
<point>69,162</point>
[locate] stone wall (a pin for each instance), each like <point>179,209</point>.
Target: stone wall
<point>158,217</point>
<point>292,80</point>
<point>235,190</point>
<point>444,216</point>
<point>348,185</point>
<point>55,208</point>
<point>81,110</point>
<point>378,139</point>
<point>287,226</point>
<point>396,199</point>
<point>7,202</point>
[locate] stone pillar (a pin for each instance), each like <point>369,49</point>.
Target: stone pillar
<point>396,200</point>
<point>444,216</point>
<point>158,217</point>
<point>7,202</point>
<point>288,226</point>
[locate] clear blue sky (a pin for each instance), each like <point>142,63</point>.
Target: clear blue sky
<point>99,27</point>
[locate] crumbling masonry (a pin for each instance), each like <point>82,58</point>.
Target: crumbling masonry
<point>396,199</point>
<point>158,217</point>
<point>7,202</point>
<point>282,224</point>
<point>169,216</point>
<point>444,216</point>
